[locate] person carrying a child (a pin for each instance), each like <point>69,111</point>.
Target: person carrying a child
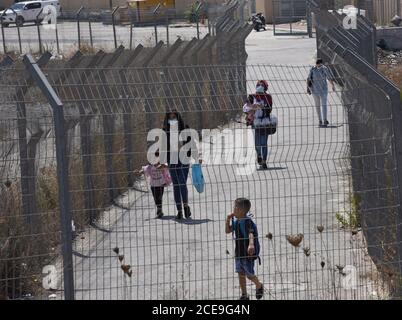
<point>159,178</point>
<point>249,109</point>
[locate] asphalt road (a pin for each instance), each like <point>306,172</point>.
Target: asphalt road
<point>102,36</point>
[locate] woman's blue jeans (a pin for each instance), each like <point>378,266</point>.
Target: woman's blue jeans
<point>179,174</point>
<point>261,141</point>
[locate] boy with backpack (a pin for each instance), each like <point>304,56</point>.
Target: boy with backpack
<point>247,246</point>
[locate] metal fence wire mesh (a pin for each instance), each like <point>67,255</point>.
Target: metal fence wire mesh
<point>326,208</point>
<point>89,30</point>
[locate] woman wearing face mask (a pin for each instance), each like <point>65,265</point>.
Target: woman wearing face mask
<point>173,125</point>
<point>264,100</point>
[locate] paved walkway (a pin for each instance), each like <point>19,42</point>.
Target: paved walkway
<point>306,186</point>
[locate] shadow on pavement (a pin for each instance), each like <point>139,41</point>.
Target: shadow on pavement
<point>272,168</point>
<point>184,220</point>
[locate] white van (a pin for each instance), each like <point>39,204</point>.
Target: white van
<point>26,11</point>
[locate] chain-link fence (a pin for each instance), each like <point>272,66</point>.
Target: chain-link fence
<point>77,218</point>
<point>79,221</point>
<point>382,101</point>
<point>90,30</point>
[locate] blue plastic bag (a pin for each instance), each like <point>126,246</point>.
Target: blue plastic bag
<point>198,178</point>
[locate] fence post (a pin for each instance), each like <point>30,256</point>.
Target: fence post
<point>166,76</point>
<point>167,30</point>
<point>18,29</point>
<point>309,20</point>
<point>90,31</point>
<point>128,117</point>
<point>57,39</point>
<point>62,173</point>
<point>197,16</point>
<point>2,33</point>
<point>155,12</point>
<point>131,30</point>
<point>114,26</point>
<point>181,61</point>
<point>38,26</point>
<point>198,78</point>
<point>149,103</point>
<point>78,27</point>
<point>85,137</point>
<point>108,123</point>
<point>27,165</point>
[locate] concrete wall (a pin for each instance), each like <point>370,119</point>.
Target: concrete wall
<point>268,6</point>
<point>265,6</point>
<point>68,5</point>
<point>391,36</point>
<point>6,3</point>
<point>180,5</point>
<point>385,10</point>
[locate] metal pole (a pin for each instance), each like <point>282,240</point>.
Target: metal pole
<point>62,173</point>
<point>2,33</point>
<point>309,19</point>
<point>197,16</point>
<point>155,12</point>
<point>90,32</point>
<point>18,30</point>
<point>38,26</point>
<point>57,40</point>
<point>198,25</point>
<point>156,30</point>
<point>167,31</point>
<point>78,27</point>
<point>131,34</point>
<point>114,26</point>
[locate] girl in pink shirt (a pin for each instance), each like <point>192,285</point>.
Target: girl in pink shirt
<point>159,178</point>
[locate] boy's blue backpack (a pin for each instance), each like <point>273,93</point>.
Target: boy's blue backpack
<point>241,225</point>
<point>198,178</point>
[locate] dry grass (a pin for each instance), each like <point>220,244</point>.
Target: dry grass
<point>23,252</point>
<point>394,73</point>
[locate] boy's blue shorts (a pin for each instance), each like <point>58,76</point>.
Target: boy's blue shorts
<point>245,266</point>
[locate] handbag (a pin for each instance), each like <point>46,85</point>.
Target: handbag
<point>269,123</point>
<point>197,177</point>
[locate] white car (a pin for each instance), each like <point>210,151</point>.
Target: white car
<point>27,11</point>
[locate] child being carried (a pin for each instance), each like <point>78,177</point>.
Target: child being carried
<point>250,108</point>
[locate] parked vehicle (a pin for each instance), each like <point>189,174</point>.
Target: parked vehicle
<point>258,21</point>
<point>26,11</point>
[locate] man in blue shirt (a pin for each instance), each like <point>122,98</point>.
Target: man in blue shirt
<point>318,87</point>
